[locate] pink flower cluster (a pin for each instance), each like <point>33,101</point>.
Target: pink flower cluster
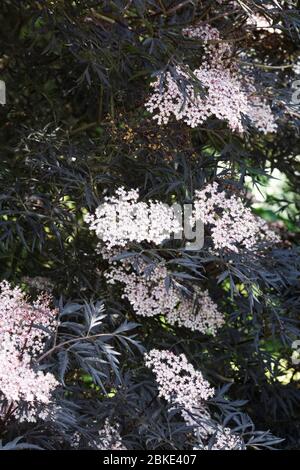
<point>216,50</point>
<point>198,314</point>
<point>232,225</point>
<point>228,97</point>
<point>21,385</point>
<point>180,384</point>
<point>24,389</point>
<point>22,320</point>
<point>147,293</point>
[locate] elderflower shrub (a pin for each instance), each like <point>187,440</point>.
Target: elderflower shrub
<point>225,109</point>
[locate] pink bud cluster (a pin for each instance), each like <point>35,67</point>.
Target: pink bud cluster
<point>25,392</point>
<point>232,225</point>
<point>228,97</point>
<point>146,290</point>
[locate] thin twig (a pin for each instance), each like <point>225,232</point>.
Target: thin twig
<point>263,66</point>
<point>71,341</point>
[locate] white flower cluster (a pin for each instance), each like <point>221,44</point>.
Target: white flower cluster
<point>232,225</point>
<point>180,384</point>
<point>121,219</point>
<point>146,290</point>
<point>25,392</point>
<point>227,97</point>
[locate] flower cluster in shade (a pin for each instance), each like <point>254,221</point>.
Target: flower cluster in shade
<point>225,93</point>
<point>222,439</point>
<point>145,287</point>
<point>231,225</point>
<point>122,219</point>
<point>39,283</point>
<point>25,391</point>
<point>183,386</point>
<point>108,438</point>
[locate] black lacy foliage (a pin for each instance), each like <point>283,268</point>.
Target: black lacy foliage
<point>75,128</point>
